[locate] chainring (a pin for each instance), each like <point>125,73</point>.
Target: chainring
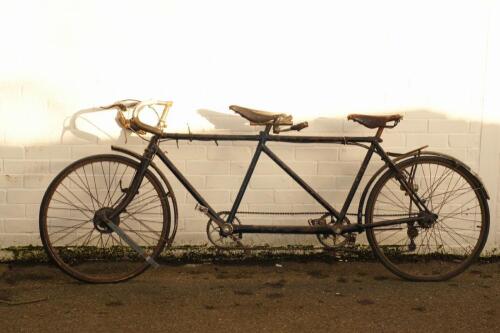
<point>333,241</point>
<point>217,239</point>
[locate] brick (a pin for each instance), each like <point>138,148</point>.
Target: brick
<point>197,181</point>
<point>268,207</point>
<point>352,154</point>
<point>327,125</point>
<point>448,126</point>
<point>255,196</point>
<point>335,197</point>
<point>354,127</point>
<point>270,182</point>
<point>24,196</point>
<point>320,182</point>
<point>7,240</point>
<point>411,126</point>
<point>20,225</point>
<point>473,155</point>
<point>223,182</point>
<point>475,127</point>
<point>292,196</point>
<point>266,167</point>
<point>26,166</point>
<point>56,166</point>
<point>10,210</point>
<point>393,139</point>
<point>12,152</point>
<point>84,151</point>
<point>207,167</point>
<point>229,153</point>
<point>213,197</point>
<point>464,140</point>
<point>37,181</point>
<point>11,181</point>
<point>48,152</point>
<point>187,153</point>
<point>433,140</point>
<point>3,196</point>
<point>423,114</point>
<point>32,210</point>
<point>316,154</point>
<point>337,168</point>
<point>343,182</point>
<point>459,153</point>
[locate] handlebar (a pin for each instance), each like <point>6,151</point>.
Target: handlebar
<point>136,125</point>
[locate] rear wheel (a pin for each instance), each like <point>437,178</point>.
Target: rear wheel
<point>79,242</point>
<point>429,250</point>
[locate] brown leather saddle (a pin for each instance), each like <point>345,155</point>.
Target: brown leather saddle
<point>372,121</point>
<point>257,117</point>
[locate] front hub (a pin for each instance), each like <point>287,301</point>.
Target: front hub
<point>99,217</point>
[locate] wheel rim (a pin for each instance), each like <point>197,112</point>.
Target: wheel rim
<point>73,231</point>
<point>430,250</point>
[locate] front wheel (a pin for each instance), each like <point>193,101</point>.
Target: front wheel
<point>429,250</point>
<point>73,233</point>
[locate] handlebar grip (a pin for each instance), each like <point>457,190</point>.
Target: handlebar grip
<point>299,126</point>
<point>136,124</point>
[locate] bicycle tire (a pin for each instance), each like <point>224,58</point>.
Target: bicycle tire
<point>437,260</point>
<point>86,249</point>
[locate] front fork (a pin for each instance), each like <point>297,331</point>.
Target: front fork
<point>131,192</point>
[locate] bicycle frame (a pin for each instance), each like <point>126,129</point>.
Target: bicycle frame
<point>262,138</point>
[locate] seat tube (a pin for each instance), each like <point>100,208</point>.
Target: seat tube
<point>262,142</point>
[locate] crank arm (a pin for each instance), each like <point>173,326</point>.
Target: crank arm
<point>130,242</point>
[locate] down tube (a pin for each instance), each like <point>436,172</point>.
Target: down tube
<point>187,185</point>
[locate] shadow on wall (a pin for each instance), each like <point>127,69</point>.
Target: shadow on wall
<point>217,171</point>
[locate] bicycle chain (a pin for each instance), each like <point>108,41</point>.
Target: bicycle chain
<point>305,213</point>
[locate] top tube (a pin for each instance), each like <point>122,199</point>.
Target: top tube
<point>270,137</point>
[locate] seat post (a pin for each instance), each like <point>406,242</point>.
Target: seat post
<point>379,132</point>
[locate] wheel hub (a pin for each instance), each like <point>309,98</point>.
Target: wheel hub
<point>99,223</point>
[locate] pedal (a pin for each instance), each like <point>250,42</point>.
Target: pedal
<point>350,240</point>
<point>202,209</point>
<point>315,222</point>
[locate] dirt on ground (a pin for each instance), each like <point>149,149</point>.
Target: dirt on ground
<point>281,296</point>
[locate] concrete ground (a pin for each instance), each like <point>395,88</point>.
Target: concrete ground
<point>280,296</point>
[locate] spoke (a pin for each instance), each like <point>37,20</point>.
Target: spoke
<point>441,180</point>
<point>129,229</point>
<point>90,194</point>
<point>66,227</point>
<point>67,218</point>
<point>106,182</point>
<point>64,236</point>
<point>95,184</point>
<point>445,200</point>
<point>118,182</point>
<point>84,205</point>
<point>86,188</point>
<point>453,238</point>
<point>392,202</point>
<point>72,205</point>
<point>447,227</point>
<point>111,184</point>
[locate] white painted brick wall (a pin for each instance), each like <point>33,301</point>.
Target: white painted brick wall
<point>217,172</point>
